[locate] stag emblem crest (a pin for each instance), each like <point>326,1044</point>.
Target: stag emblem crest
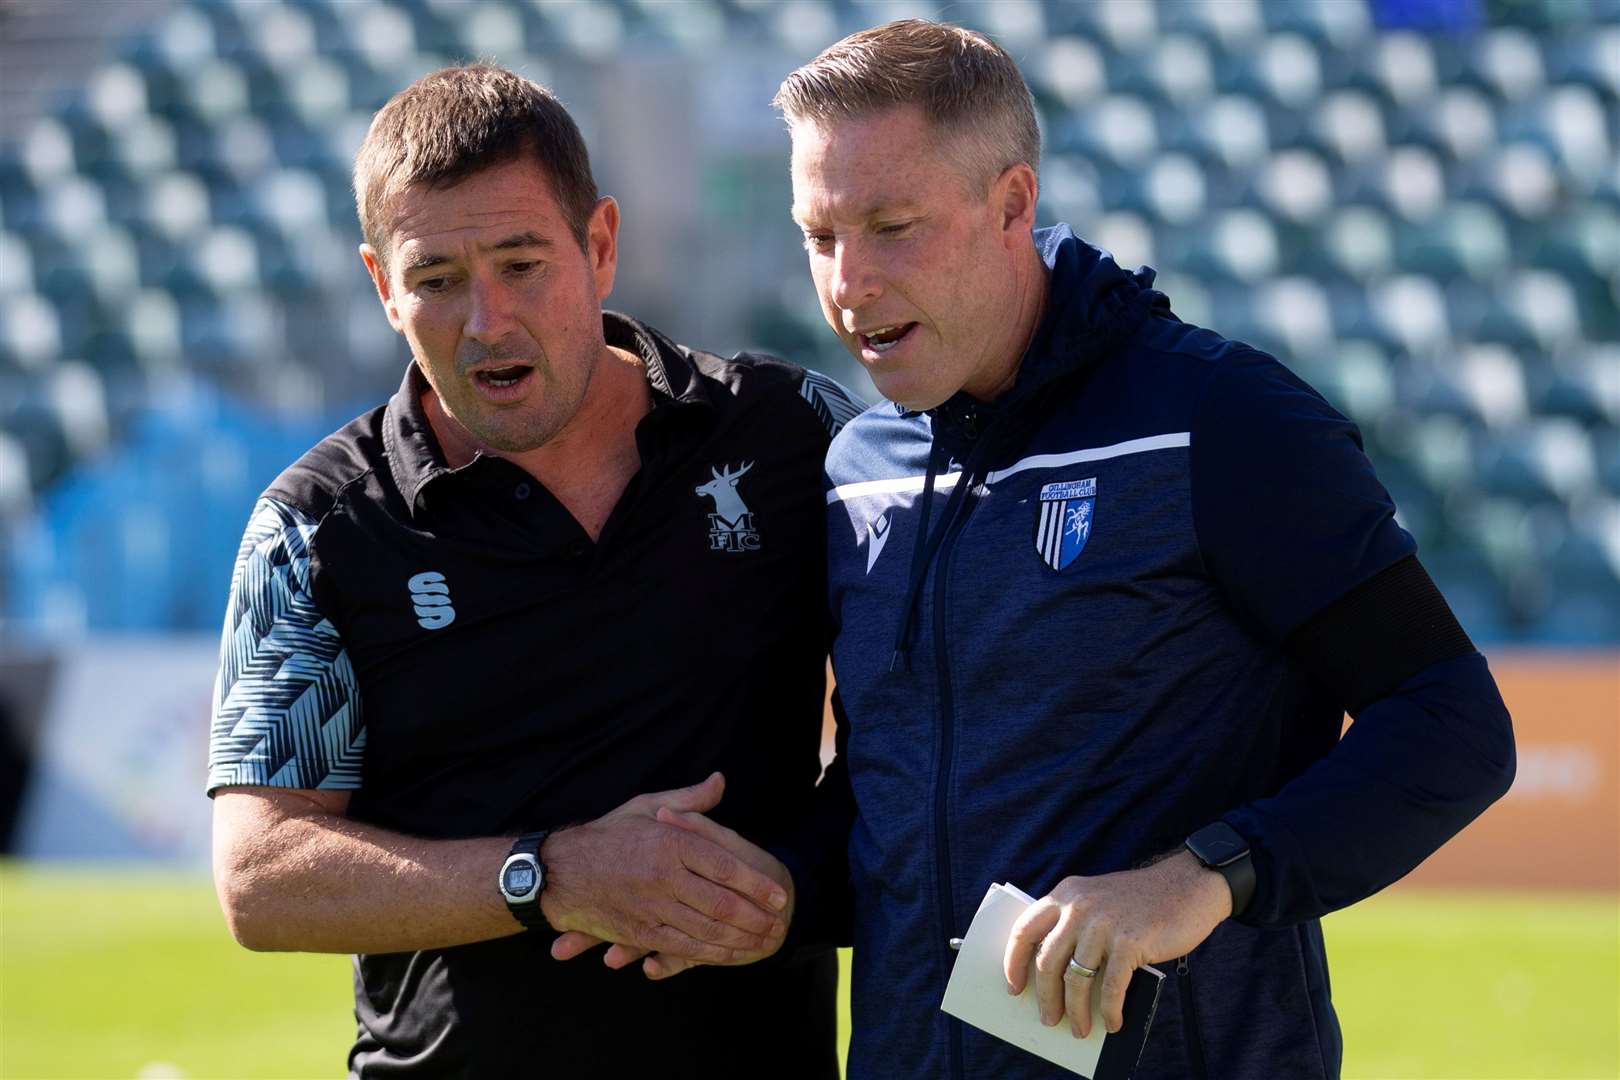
<point>731,525</point>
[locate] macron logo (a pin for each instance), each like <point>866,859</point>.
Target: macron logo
<point>432,599</point>
<point>877,535</point>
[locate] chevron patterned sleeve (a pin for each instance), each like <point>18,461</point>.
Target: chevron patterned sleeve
<point>286,704</point>
<point>834,405</point>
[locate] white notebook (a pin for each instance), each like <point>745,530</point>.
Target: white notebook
<point>977,995</point>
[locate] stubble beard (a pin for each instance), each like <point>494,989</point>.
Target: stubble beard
<point>539,421</point>
<point>515,429</point>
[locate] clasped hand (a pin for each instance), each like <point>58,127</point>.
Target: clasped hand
<point>661,881</point>
<point>1111,924</point>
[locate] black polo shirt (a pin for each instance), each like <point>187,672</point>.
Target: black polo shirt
<point>452,646</point>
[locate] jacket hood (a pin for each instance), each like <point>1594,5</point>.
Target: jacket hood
<point>1093,307</point>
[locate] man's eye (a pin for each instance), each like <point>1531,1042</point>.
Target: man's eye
<point>818,241</point>
<point>434,284</point>
<point>894,228</point>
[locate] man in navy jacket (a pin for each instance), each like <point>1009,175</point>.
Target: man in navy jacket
<point>1103,585</point>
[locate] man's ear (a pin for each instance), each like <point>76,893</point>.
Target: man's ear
<point>385,290</point>
<point>1014,195</point>
<point>602,244</point>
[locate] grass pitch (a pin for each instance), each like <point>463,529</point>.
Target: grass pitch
<point>109,972</point>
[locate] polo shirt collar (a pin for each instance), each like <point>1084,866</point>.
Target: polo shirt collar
<point>669,371</point>
<point>416,459</point>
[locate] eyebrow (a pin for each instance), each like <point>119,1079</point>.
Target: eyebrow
<point>810,219</point>
<point>422,260</point>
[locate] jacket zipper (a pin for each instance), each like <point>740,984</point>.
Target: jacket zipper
<point>947,751</point>
<point>1189,1019</point>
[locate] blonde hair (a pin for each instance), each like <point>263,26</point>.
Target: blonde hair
<point>970,90</point>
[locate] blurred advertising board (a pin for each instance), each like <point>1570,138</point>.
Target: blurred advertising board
<point>120,756</point>
<point>1559,825</point>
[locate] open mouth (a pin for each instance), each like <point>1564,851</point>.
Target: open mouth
<point>885,338</point>
<point>501,378</point>
<point>504,385</point>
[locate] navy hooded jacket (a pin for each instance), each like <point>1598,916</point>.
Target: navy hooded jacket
<point>1063,626</point>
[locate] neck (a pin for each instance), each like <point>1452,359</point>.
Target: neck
<point>1032,282</point>
<point>587,464</point>
<point>599,441</point>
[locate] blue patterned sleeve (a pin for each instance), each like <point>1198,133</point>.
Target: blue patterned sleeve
<point>286,704</point>
<point>834,405</point>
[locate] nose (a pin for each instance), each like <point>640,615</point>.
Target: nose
<point>491,315</point>
<point>854,282</point>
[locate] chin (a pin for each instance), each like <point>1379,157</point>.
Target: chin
<point>916,401</point>
<point>509,438</point>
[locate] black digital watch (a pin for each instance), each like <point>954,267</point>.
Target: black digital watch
<point>523,876</point>
<point>1222,849</point>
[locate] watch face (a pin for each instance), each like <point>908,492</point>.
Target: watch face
<point>1218,844</point>
<point>520,879</point>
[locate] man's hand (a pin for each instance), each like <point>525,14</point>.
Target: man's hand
<point>662,964</point>
<point>632,877</point>
<point>1113,924</point>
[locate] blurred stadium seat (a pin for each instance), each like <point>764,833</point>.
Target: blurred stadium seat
<point>1416,205</point>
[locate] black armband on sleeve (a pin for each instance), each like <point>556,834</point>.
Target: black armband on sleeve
<point>1379,634</point>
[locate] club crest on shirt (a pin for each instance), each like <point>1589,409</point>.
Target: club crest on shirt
<point>731,525</point>
<point>1063,523</point>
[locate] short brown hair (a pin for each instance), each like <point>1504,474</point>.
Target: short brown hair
<point>969,88</point>
<point>457,121</point>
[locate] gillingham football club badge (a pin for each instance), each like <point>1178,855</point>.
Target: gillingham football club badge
<point>1063,524</point>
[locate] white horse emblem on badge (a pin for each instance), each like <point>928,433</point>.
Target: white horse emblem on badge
<point>1064,523</point>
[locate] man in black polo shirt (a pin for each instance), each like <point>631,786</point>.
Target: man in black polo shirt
<point>569,563</point>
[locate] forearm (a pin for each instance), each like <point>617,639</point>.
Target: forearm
<point>1412,770</point>
<point>301,878</point>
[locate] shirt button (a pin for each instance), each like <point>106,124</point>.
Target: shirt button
<point>521,492</point>
<point>579,549</point>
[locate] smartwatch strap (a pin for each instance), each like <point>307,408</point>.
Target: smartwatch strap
<point>1223,849</point>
